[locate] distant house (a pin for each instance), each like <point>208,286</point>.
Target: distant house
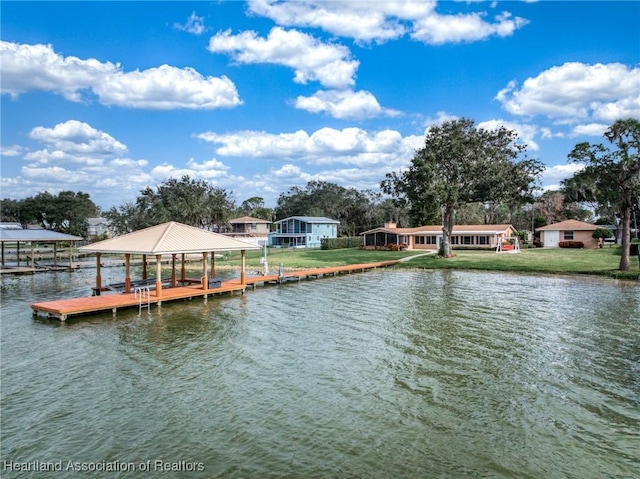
<point>303,231</point>
<point>249,226</point>
<point>430,237</point>
<point>98,227</point>
<point>570,230</point>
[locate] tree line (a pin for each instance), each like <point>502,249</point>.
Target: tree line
<point>462,175</point>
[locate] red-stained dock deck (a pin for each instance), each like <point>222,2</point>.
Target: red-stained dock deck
<point>63,308</point>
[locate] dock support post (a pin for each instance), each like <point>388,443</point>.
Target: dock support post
<point>243,279</point>
<point>144,266</point>
<point>205,279</point>
<point>98,277</point>
<point>127,273</point>
<point>159,276</point>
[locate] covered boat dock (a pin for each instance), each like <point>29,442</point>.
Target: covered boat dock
<point>15,237</point>
<point>167,239</point>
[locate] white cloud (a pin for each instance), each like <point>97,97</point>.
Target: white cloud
<point>374,21</point>
<point>312,60</point>
<point>344,104</point>
<point>258,144</point>
<point>194,24</point>
<point>438,29</point>
<point>76,137</point>
<point>592,129</point>
<point>552,176</point>
<point>526,133</point>
<point>278,180</point>
<point>575,92</point>
<point>167,88</point>
<point>38,68</point>
<point>77,157</point>
<point>352,146</point>
<point>11,150</point>
<point>26,68</point>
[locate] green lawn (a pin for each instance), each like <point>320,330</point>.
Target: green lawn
<point>537,260</point>
<point>603,262</point>
<point>312,258</point>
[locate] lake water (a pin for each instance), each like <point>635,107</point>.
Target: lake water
<point>384,374</point>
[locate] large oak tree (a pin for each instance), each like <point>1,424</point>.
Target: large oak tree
<point>461,164</point>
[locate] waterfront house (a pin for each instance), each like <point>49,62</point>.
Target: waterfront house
<point>570,230</point>
<point>429,237</point>
<point>249,226</point>
<point>98,227</point>
<point>249,229</point>
<point>303,231</point>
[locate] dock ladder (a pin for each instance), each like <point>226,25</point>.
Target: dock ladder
<point>142,293</point>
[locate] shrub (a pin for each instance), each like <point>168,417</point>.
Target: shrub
<point>602,233</point>
<point>571,244</point>
<point>340,243</point>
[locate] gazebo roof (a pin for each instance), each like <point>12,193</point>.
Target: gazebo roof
<point>168,238</point>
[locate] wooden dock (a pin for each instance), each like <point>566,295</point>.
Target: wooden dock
<point>63,308</point>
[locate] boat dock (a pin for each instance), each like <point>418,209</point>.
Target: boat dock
<point>145,297</point>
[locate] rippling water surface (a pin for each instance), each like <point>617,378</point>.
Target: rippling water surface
<point>375,375</point>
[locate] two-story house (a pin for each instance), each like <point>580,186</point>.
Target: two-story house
<point>249,226</point>
<point>303,231</point>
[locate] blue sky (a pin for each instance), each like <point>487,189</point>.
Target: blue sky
<point>259,96</point>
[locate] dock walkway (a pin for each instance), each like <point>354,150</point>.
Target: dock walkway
<point>63,308</point>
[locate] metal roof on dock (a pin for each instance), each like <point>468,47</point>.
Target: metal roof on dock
<point>168,238</point>
<point>22,235</point>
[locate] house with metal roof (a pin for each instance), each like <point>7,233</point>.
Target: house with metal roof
<point>429,237</point>
<point>303,231</point>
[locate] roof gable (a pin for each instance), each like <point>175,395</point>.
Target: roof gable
<point>169,238</point>
<point>569,225</point>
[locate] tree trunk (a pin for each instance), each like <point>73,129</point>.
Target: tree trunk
<point>625,221</point>
<point>448,219</point>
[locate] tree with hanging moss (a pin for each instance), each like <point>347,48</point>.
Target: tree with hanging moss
<point>611,177</point>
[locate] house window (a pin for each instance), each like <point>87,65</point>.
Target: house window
<point>483,240</point>
<point>466,240</point>
<point>568,235</point>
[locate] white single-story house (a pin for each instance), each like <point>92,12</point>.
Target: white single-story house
<point>570,230</point>
<point>429,237</point>
<point>303,231</point>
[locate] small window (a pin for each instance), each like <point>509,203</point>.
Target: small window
<point>568,235</point>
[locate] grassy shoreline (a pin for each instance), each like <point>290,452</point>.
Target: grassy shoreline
<point>598,262</point>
